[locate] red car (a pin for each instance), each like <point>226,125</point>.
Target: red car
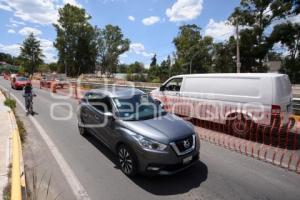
<point>19,82</point>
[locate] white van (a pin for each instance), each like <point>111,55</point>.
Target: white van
<point>236,99</point>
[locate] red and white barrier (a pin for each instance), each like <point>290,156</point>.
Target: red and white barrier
<point>265,140</point>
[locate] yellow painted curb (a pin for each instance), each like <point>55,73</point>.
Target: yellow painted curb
<point>18,183</point>
<point>16,193</point>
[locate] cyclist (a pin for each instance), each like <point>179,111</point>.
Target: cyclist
<point>28,95</point>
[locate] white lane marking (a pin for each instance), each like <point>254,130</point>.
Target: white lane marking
<point>78,190</point>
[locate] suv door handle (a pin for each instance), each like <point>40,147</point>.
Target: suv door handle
<point>97,117</point>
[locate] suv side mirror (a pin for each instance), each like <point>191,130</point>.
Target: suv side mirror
<point>162,88</point>
<point>83,100</point>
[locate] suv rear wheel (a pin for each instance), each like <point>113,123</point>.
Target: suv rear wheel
<point>82,130</point>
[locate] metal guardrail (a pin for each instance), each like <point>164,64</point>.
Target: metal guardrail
<point>296,106</point>
<point>101,84</point>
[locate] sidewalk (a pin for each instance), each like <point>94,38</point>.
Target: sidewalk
<point>6,130</point>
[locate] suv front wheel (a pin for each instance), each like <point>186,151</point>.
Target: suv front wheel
<point>127,160</point>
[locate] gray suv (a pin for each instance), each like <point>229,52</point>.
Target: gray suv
<point>145,138</point>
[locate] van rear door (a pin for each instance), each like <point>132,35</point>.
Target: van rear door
<point>283,94</point>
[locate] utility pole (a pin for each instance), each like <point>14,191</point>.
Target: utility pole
<point>238,62</point>
<point>66,70</point>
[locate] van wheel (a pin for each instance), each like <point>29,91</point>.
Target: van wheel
<point>127,161</point>
<point>239,126</point>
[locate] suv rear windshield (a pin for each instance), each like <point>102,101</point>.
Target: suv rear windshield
<point>138,107</point>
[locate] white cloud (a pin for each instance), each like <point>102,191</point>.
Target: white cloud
<point>4,6</point>
<point>27,30</point>
<point>280,48</point>
<point>150,20</point>
<point>146,54</point>
<point>13,21</point>
<point>12,49</point>
<point>49,50</point>
<point>124,55</point>
<point>184,10</point>
<point>36,11</point>
<point>12,31</point>
<point>220,31</point>
<point>131,18</point>
<point>139,49</point>
<point>294,19</point>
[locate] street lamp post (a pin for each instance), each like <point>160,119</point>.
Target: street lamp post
<point>191,62</point>
<point>238,62</point>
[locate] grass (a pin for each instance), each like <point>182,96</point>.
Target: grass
<point>22,130</point>
<point>37,190</point>
<point>10,103</point>
<point>36,185</point>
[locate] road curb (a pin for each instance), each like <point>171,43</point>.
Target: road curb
<point>76,187</point>
<point>10,128</point>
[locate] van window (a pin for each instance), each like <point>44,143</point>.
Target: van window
<point>174,85</point>
<point>222,85</point>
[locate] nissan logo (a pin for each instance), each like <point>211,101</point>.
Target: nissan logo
<point>186,144</point>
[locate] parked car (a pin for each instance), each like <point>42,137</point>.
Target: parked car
<point>145,138</point>
<point>18,82</point>
<point>58,79</point>
<point>61,80</point>
<point>46,81</point>
<point>239,98</point>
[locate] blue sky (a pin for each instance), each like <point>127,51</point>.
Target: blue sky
<point>151,25</point>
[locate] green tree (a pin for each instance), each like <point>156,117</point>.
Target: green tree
<point>136,68</point>
<point>75,41</point>
<point>193,52</point>
<point>53,67</point>
<point>164,69</point>
<point>4,57</point>
<point>153,61</point>
<point>153,70</point>
<point>288,35</point>
<point>122,68</point>
<point>224,54</point>
<point>31,54</point>
<point>43,68</point>
<point>111,44</point>
<point>256,16</point>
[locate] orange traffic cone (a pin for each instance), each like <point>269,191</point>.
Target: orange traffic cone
<point>53,87</point>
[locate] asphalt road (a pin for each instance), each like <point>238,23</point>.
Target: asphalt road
<point>220,173</point>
